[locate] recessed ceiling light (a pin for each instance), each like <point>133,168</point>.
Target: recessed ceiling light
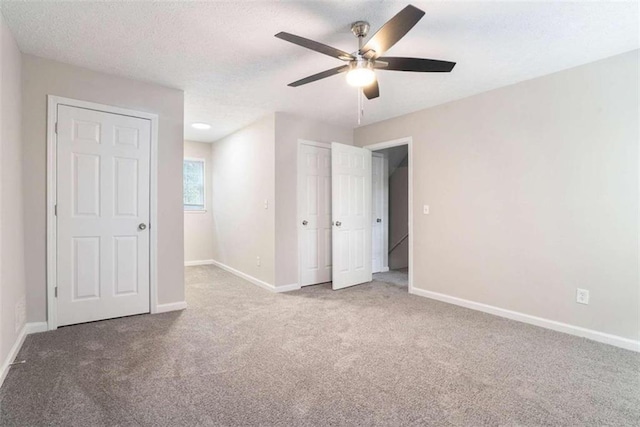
<point>202,126</point>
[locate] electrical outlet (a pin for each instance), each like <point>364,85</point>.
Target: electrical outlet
<point>258,261</point>
<point>425,209</point>
<point>582,296</point>
<point>266,204</point>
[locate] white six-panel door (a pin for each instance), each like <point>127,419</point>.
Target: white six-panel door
<point>102,215</point>
<point>314,214</point>
<point>351,200</point>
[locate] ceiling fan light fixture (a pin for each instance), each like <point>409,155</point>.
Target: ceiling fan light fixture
<point>361,74</point>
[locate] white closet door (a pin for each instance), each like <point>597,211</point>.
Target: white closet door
<point>351,207</point>
<point>314,214</point>
<point>102,215</point>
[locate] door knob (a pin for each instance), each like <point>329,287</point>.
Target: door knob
<point>142,226</point>
<point>305,222</point>
<point>338,223</point>
<point>379,220</point>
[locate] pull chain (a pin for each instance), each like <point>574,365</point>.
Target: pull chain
<point>360,106</point>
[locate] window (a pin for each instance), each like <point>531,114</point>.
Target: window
<point>193,176</point>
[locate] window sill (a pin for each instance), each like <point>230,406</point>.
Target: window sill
<point>195,211</point>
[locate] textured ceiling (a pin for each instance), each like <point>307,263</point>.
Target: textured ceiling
<point>233,71</point>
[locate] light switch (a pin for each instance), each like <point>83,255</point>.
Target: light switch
<point>425,209</point>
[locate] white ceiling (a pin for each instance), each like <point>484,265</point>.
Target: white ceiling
<point>233,71</point>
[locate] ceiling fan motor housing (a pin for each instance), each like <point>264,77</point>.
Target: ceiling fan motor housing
<point>360,29</point>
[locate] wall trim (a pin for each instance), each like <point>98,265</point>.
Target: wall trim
<point>566,328</point>
<point>27,329</point>
<point>173,306</point>
<point>36,327</point>
<point>13,353</point>
<point>286,288</point>
<point>315,143</point>
<point>198,262</point>
<point>256,281</point>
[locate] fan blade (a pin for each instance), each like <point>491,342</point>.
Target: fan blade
<point>372,91</point>
<point>315,46</point>
<point>415,64</point>
<point>322,75</point>
<point>391,32</point>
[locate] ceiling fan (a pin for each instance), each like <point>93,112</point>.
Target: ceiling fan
<point>362,63</point>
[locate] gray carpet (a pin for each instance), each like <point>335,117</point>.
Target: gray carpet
<point>369,355</point>
<point>398,277</point>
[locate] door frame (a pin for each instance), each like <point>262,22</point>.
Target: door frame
<point>298,189</point>
<point>408,141</point>
<point>52,114</point>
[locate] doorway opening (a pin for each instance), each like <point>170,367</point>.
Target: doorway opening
<point>391,213</point>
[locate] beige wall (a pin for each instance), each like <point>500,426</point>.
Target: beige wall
<point>399,217</point>
<point>12,267</point>
<point>253,165</point>
<point>42,77</point>
<point>243,177</point>
<point>290,128</point>
<point>533,192</point>
<point>198,226</point>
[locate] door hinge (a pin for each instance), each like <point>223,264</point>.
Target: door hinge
<point>55,292</point>
<point>55,210</point>
<point>56,126</point>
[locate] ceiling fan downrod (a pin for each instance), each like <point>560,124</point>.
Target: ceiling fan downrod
<point>360,29</point>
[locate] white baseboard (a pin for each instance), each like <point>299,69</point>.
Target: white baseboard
<point>256,281</point>
<point>602,337</point>
<point>384,269</point>
<point>12,354</point>
<point>198,262</point>
<point>29,328</point>
<point>174,306</point>
<point>286,288</point>
<point>36,327</point>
